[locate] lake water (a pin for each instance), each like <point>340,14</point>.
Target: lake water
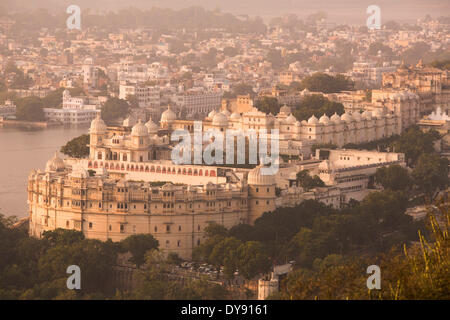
<point>20,152</point>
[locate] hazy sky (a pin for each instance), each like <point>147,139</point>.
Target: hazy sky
<point>351,11</point>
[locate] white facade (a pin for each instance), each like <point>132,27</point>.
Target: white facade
<point>147,96</point>
<point>75,110</point>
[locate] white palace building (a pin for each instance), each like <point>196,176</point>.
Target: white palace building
<point>128,184</point>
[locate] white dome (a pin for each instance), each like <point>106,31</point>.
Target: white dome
<point>335,118</point>
<point>97,125</point>
<point>313,120</point>
<point>55,164</point>
<point>220,119</point>
<point>151,126</point>
<point>357,116</point>
<point>346,117</point>
<point>212,114</point>
<point>235,116</point>
<point>324,119</point>
<point>168,115</point>
<point>290,119</point>
<point>377,113</point>
<point>139,130</point>
<point>367,115</point>
<point>256,177</point>
<point>285,109</point>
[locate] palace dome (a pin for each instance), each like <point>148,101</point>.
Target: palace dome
<point>346,117</point>
<point>313,120</point>
<point>139,130</point>
<point>285,109</point>
<point>97,125</point>
<point>168,115</point>
<point>235,116</point>
<point>335,118</point>
<point>367,115</point>
<point>226,112</point>
<point>212,114</point>
<point>257,177</point>
<point>324,119</point>
<point>55,164</point>
<point>151,126</point>
<point>290,119</point>
<point>220,119</point>
<point>357,116</point>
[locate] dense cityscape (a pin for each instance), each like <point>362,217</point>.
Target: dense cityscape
<point>197,154</point>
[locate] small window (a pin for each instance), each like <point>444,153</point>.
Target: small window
<point>90,225</point>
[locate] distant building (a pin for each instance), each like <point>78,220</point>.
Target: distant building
<point>75,110</point>
<point>8,109</point>
<point>147,96</point>
<point>198,101</point>
<point>90,74</point>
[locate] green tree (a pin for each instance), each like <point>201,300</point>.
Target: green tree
<point>114,109</point>
<point>138,245</point>
<point>252,259</point>
<point>322,82</point>
<point>268,105</point>
<point>317,105</point>
<point>77,147</point>
<point>30,109</point>
<point>431,173</point>
<point>393,177</point>
<point>307,182</point>
<point>414,142</point>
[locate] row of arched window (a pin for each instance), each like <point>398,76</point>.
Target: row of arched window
<point>157,169</point>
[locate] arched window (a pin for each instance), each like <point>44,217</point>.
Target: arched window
<point>163,169</point>
<point>200,172</point>
<point>190,172</point>
<point>195,172</point>
<point>90,164</point>
<point>122,167</point>
<point>212,173</point>
<point>152,169</point>
<point>95,164</point>
<point>142,168</point>
<point>206,173</point>
<point>146,169</point>
<point>158,169</point>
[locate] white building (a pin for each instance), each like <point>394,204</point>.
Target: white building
<point>90,73</point>
<point>8,109</point>
<point>198,101</point>
<point>75,110</point>
<point>147,96</point>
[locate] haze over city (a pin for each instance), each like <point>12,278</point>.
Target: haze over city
<point>235,151</point>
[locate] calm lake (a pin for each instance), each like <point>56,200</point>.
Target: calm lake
<point>20,152</point>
